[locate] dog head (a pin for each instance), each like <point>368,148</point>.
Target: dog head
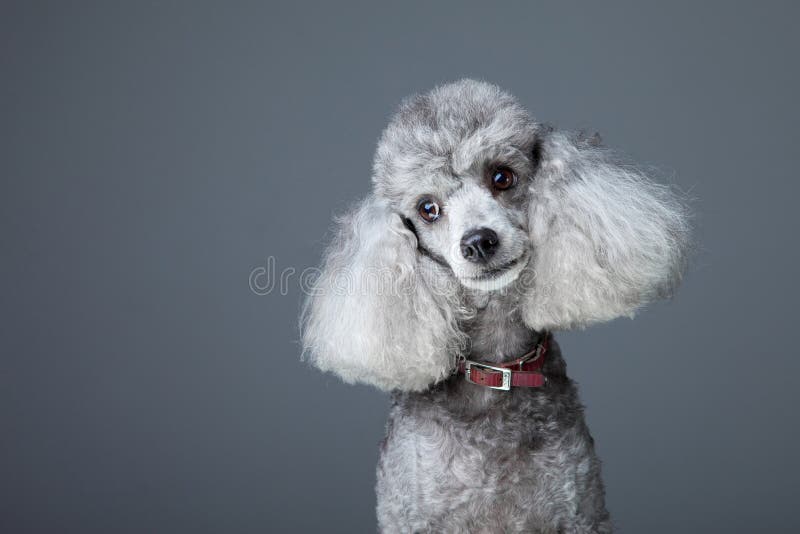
<point>472,194</point>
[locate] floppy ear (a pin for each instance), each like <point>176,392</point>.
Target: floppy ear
<point>606,239</point>
<point>372,316</point>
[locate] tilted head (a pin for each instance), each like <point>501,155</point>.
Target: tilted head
<point>456,163</point>
<point>472,194</point>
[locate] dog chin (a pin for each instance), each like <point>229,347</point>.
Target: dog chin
<point>495,280</point>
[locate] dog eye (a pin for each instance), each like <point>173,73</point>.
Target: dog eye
<point>503,178</point>
<point>429,210</point>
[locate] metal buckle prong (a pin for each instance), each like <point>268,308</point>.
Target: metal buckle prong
<point>505,386</point>
<point>531,356</point>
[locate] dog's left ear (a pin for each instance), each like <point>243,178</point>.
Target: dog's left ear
<point>606,239</point>
<point>374,314</point>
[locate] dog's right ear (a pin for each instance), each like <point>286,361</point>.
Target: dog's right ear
<point>372,315</point>
<point>606,238</point>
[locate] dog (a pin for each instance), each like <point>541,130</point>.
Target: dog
<point>485,232</point>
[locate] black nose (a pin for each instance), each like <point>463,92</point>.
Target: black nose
<point>479,245</point>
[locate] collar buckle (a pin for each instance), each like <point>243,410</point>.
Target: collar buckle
<point>504,386</point>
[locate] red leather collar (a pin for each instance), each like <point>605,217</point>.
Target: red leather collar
<point>524,372</point>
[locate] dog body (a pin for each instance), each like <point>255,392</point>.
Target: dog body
<point>485,231</point>
<point>461,458</point>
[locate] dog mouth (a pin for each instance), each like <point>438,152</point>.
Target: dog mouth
<point>496,271</point>
<point>497,277</point>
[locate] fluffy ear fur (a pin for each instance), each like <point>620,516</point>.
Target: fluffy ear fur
<point>606,239</point>
<point>372,316</point>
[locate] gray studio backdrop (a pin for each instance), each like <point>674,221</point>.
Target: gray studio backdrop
<point>153,154</point>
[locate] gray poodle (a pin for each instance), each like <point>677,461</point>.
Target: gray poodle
<point>485,232</point>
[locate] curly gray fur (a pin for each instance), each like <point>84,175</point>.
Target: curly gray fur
<point>589,238</point>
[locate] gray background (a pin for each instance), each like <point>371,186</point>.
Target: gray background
<point>154,153</point>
